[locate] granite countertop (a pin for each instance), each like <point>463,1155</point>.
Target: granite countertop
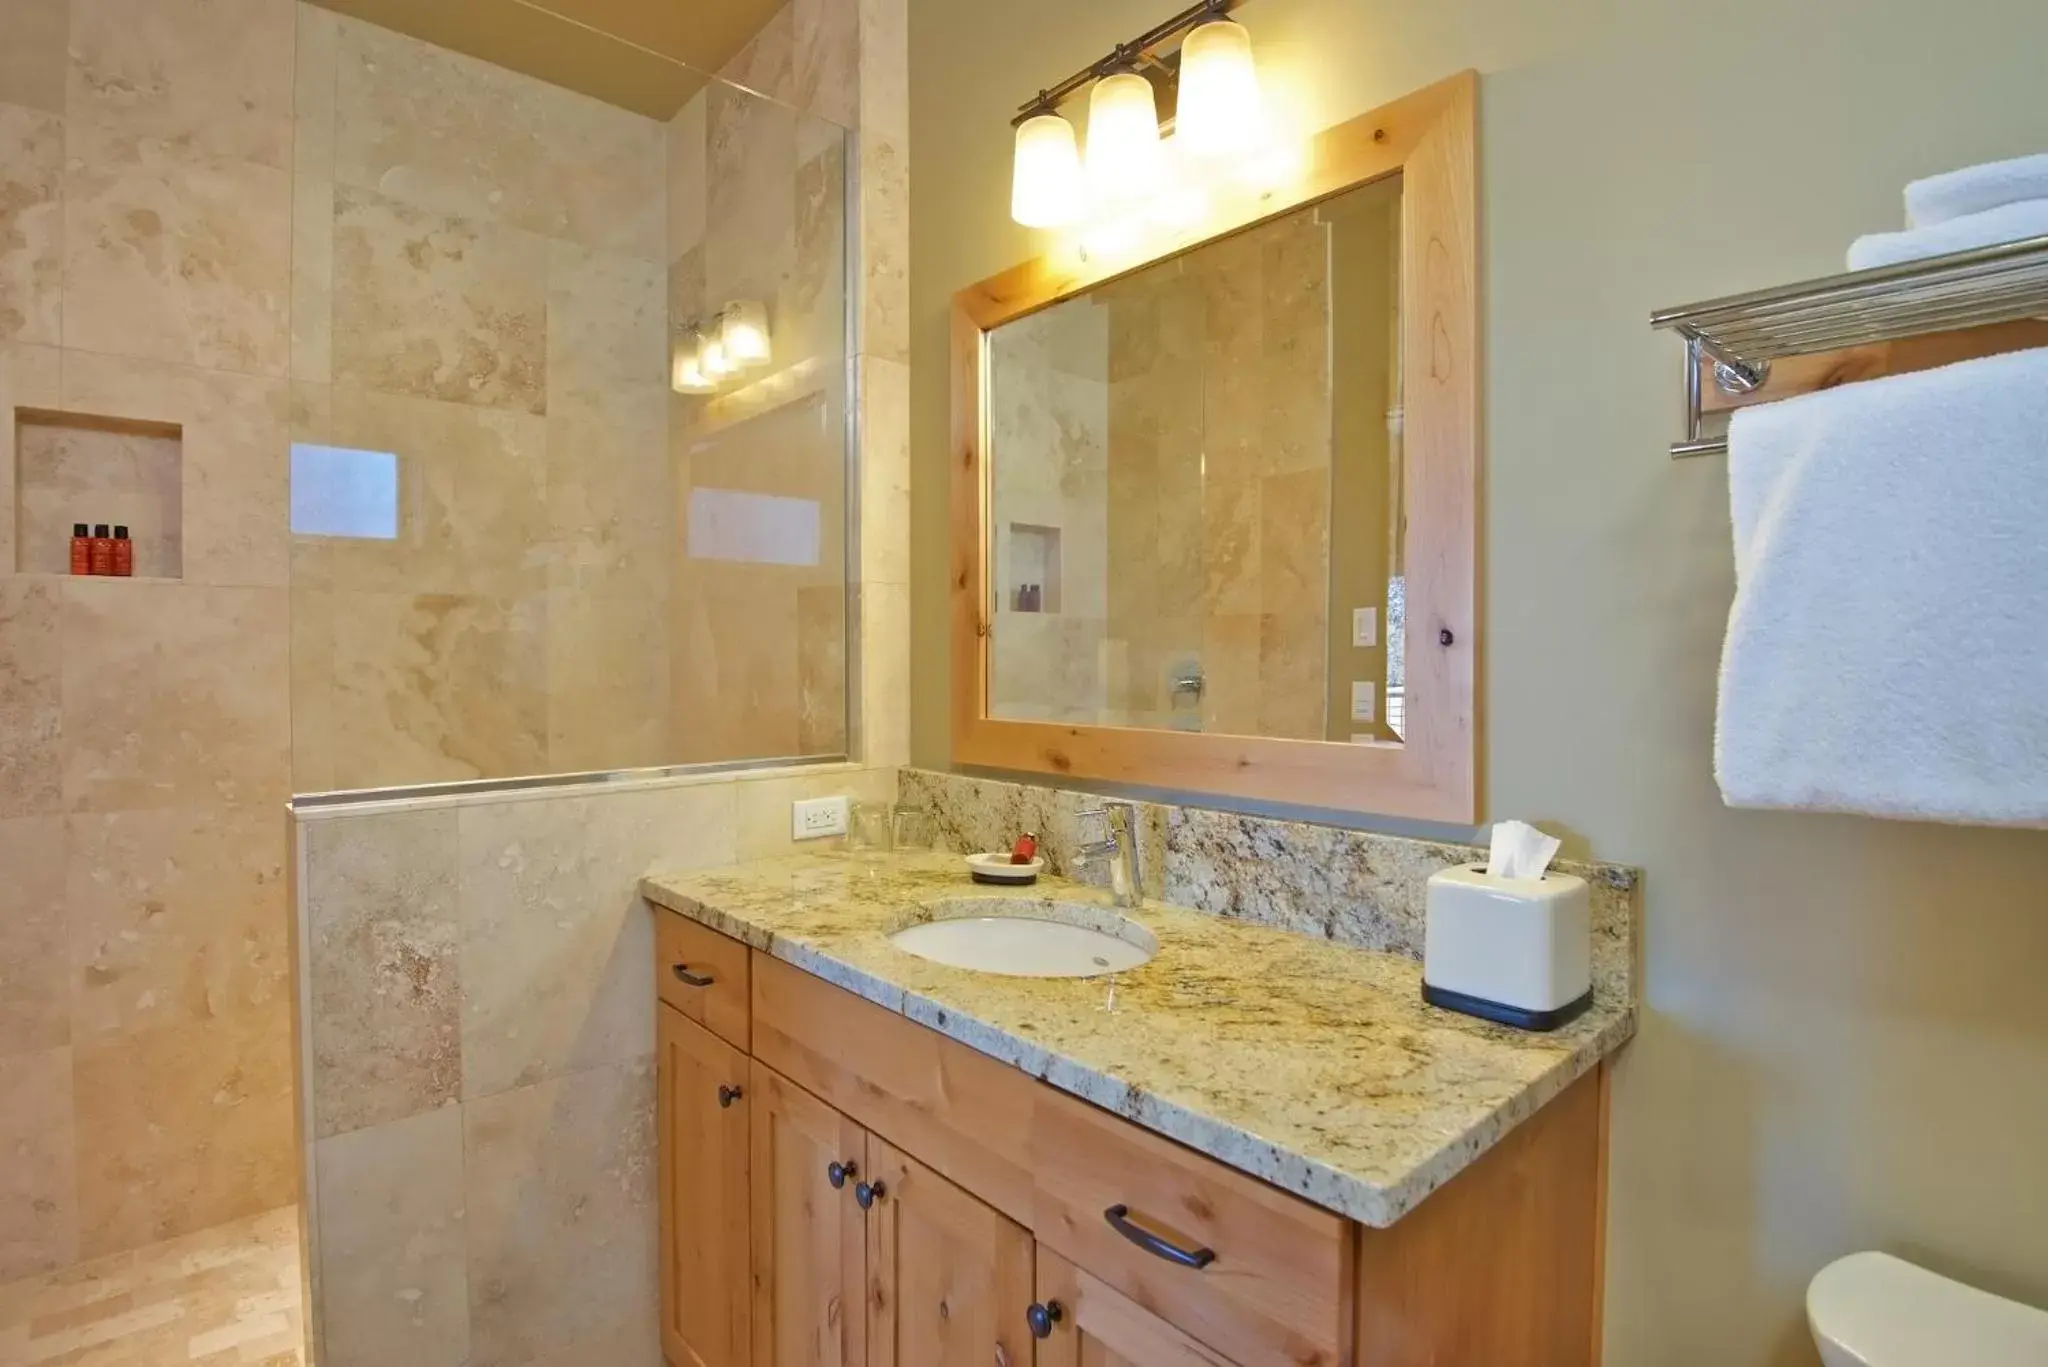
<point>1311,1065</point>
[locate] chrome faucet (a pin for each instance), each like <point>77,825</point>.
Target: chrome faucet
<point>1118,848</point>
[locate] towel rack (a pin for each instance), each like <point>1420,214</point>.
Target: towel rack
<point>1774,343</point>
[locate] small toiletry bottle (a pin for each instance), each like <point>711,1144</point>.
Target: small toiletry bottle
<point>81,549</point>
<point>124,554</point>
<point>102,549</point>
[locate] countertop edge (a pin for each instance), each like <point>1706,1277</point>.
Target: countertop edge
<point>1378,1205</point>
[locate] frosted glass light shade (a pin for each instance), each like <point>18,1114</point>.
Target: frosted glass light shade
<point>1219,90</point>
<point>712,360</point>
<point>1046,186</point>
<point>1124,161</point>
<point>743,333</point>
<point>685,376</point>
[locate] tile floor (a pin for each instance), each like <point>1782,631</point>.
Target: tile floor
<point>224,1297</point>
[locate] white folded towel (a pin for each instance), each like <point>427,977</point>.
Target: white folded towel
<point>1974,189</point>
<point>2007,223</point>
<point>1887,652</point>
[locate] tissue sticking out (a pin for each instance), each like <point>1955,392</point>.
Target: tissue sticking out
<point>1518,850</point>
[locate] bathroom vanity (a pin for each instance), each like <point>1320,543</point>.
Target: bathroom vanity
<point>1257,1148</point>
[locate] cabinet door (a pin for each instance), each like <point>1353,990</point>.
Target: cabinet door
<point>702,1125</point>
<point>949,1278</point>
<point>810,1251</point>
<point>1099,1326</point>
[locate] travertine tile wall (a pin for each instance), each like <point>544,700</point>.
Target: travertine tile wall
<point>145,245</point>
<point>478,1016</point>
<point>478,990</point>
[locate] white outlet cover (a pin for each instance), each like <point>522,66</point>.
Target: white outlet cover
<point>1363,707</point>
<point>1365,627</point>
<point>814,818</point>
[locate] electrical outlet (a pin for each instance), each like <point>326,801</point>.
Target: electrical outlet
<point>814,818</point>
<point>1365,627</point>
<point>1362,701</point>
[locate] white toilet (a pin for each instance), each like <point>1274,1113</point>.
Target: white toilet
<point>1874,1310</point>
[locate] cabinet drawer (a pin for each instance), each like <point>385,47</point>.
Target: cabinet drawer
<point>702,974</point>
<point>1252,1272</point>
<point>960,1113</point>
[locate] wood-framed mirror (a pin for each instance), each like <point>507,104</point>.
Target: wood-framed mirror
<point>1215,510</point>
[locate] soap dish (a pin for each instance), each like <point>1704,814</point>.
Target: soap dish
<point>997,868</point>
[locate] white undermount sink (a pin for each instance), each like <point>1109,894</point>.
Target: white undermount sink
<point>1023,937</point>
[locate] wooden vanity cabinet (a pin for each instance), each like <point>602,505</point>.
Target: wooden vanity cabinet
<point>856,1190</point>
<point>702,1121</point>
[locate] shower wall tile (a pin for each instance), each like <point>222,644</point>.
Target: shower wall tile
<point>392,1245</point>
<point>175,917</point>
<point>821,681</point>
<point>884,48</point>
<point>885,248</point>
<point>383,952</point>
<point>766,63</point>
<point>34,1009</point>
<point>175,256</point>
<point>38,1182</point>
<point>607,336</point>
<point>556,943</point>
<point>561,1231</point>
<point>312,303</point>
<point>825,69</point>
<point>885,673</point>
<point>688,177</point>
<point>31,697</point>
<point>312,669</point>
<point>174,695</point>
<point>735,663</point>
<point>607,681</point>
<point>885,471</point>
<point>436,687</point>
<point>750,214</point>
<point>183,1127</point>
<point>211,80</point>
<point>316,60</point>
<point>235,458</point>
<point>455,136</point>
<point>34,35</point>
<point>472,489</point>
<point>438,307</point>
<point>31,223</point>
<point>611,501</point>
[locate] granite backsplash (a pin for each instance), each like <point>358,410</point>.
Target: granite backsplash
<point>1352,887</point>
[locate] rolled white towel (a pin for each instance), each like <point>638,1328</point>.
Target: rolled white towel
<point>1972,190</point>
<point>2007,223</point>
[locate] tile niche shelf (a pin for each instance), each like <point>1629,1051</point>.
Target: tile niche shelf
<point>77,467</point>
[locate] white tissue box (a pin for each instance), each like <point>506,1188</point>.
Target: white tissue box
<point>1514,950</point>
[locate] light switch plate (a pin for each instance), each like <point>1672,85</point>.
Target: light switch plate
<point>1365,627</point>
<point>1363,703</point>
<point>814,818</point>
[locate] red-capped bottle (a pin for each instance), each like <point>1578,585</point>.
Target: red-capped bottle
<point>102,549</point>
<point>1026,848</point>
<point>124,554</point>
<point>81,549</point>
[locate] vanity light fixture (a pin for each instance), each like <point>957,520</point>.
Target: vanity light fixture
<point>711,357</point>
<point>1219,90</point>
<point>1055,183</point>
<point>743,333</point>
<point>1047,188</point>
<point>1124,161</point>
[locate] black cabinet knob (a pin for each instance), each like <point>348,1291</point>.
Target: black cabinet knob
<point>1042,1318</point>
<point>837,1173</point>
<point>728,1095</point>
<point>867,1193</point>
<point>689,979</point>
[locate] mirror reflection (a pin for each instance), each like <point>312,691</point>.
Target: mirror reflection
<point>1196,488</point>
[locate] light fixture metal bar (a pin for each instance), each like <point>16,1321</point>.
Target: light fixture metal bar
<point>1123,54</point>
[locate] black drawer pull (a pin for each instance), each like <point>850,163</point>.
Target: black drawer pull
<point>689,979</point>
<point>1119,1218</point>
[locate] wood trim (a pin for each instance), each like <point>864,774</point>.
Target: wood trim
<point>1431,138</point>
<point>1500,1266</point>
<point>1792,375</point>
